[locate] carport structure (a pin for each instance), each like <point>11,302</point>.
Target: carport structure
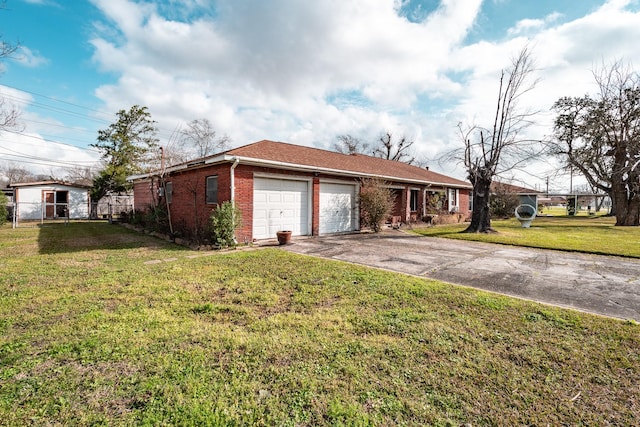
<point>279,186</point>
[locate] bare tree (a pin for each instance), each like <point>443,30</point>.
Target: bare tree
<point>348,144</point>
<point>9,113</point>
<point>399,150</point>
<point>199,139</point>
<point>13,174</point>
<point>385,148</point>
<point>79,175</point>
<point>500,148</point>
<point>7,49</point>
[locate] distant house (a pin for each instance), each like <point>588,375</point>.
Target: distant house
<point>8,192</point>
<point>526,196</point>
<point>50,200</point>
<point>280,186</point>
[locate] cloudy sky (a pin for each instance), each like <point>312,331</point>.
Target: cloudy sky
<point>296,71</point>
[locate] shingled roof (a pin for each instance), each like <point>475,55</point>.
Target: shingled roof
<point>295,156</point>
<point>497,186</point>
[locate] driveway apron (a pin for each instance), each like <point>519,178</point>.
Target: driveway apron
<point>604,285</point>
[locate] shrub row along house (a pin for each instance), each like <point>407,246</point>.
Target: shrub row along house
<point>279,186</point>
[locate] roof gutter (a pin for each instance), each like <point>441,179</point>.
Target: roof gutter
<point>306,168</point>
<point>290,166</point>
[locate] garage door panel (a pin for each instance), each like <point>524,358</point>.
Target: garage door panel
<point>280,204</point>
<point>290,198</point>
<point>337,208</point>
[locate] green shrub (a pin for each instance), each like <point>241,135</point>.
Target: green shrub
<point>503,203</point>
<point>4,213</point>
<point>376,202</point>
<point>224,220</point>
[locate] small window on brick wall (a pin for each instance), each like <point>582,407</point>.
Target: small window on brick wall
<point>168,189</point>
<point>212,189</point>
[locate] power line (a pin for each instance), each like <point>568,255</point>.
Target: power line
<point>50,164</point>
<point>162,131</point>
<point>57,109</point>
<point>26,156</point>
<point>74,128</point>
<point>39,138</point>
<point>56,100</point>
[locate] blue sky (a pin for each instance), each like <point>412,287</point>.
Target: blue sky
<point>300,72</point>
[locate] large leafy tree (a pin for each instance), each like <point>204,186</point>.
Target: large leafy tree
<point>600,137</point>
<point>128,147</point>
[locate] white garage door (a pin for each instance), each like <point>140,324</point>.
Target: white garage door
<point>337,208</point>
<point>280,204</point>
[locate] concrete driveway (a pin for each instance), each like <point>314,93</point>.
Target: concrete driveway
<point>604,285</point>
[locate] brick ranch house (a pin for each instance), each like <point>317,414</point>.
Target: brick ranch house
<point>280,186</point>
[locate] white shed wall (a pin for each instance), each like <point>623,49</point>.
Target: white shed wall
<point>30,201</point>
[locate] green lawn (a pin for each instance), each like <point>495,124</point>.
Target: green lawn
<point>103,326</point>
<point>596,235</point>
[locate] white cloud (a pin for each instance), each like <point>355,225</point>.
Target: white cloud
<point>526,26</point>
<point>29,58</point>
<point>305,72</point>
<point>33,151</point>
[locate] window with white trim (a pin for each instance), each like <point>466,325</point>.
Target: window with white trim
<point>453,200</point>
<point>413,200</point>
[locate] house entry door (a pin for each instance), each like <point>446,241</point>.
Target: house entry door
<point>49,204</point>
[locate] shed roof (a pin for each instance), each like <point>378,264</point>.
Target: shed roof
<point>52,182</point>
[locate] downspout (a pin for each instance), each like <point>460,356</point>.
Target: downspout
<point>232,177</point>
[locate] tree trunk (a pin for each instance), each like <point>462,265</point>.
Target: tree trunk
<point>481,216</point>
<point>628,215</point>
<point>626,208</point>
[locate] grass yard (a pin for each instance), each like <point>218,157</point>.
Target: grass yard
<point>595,234</point>
<point>103,326</point>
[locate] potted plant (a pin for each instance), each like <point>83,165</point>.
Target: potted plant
<point>284,237</point>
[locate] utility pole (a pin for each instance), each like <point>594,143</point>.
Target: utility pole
<point>547,186</point>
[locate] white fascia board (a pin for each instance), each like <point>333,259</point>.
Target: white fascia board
<point>292,166</point>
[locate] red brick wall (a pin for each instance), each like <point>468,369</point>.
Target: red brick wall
<point>315,217</point>
<point>189,210</point>
<point>463,203</point>
<point>143,194</point>
<point>244,201</point>
<point>244,197</point>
